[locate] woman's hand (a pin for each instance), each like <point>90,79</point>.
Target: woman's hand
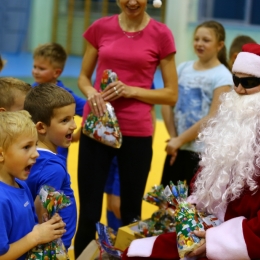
<point>201,250</point>
<point>116,90</point>
<point>172,148</point>
<point>97,103</point>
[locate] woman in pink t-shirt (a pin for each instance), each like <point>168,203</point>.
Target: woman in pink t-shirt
<point>132,44</point>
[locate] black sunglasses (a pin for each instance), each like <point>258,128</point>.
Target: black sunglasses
<point>248,82</point>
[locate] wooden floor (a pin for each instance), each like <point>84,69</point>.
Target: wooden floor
<point>154,176</point>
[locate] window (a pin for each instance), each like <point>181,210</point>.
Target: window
<point>238,11</point>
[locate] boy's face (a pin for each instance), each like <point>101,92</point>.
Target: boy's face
<point>44,72</point>
<point>18,159</point>
<point>61,128</point>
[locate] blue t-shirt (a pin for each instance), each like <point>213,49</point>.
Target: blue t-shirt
<point>17,217</point>
<point>50,169</point>
<point>196,89</point>
<point>80,102</point>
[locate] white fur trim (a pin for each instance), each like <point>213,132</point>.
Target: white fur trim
<point>226,241</point>
<point>247,63</point>
<point>141,247</point>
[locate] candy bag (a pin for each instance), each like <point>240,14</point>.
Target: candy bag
<point>188,219</point>
<point>176,214</point>
<point>104,129</point>
<point>106,239</point>
<point>53,201</point>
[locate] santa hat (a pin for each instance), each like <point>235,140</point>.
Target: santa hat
<point>248,60</point>
<point>157,3</point>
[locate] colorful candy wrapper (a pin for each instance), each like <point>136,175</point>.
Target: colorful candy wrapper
<point>106,239</point>
<point>157,197</point>
<point>162,221</point>
<point>53,201</point>
<point>104,129</point>
<point>176,214</point>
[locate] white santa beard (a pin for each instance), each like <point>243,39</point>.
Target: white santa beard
<point>230,158</point>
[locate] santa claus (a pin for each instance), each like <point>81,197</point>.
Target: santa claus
<point>229,178</point>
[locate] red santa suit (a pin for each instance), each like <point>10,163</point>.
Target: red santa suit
<point>228,184</point>
<point>237,238</point>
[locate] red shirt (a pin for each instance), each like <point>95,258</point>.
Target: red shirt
<point>134,60</point>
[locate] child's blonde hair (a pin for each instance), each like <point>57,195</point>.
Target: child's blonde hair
<point>54,52</point>
<point>13,125</point>
<point>9,89</point>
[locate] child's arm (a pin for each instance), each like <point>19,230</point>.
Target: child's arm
<point>192,133</point>
<point>80,102</point>
<point>42,233</point>
<point>40,210</point>
<point>76,135</point>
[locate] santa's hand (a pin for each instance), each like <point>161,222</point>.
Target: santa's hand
<point>201,250</point>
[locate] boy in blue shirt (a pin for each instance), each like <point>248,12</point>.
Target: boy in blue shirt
<point>19,231</point>
<point>52,109</point>
<point>48,63</point>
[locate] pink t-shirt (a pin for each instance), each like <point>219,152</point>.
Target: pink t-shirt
<point>134,60</point>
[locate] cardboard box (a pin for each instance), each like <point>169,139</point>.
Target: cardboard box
<point>126,235</point>
<point>90,252</point>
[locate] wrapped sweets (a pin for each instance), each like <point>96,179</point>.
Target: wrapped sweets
<point>104,129</point>
<point>176,214</point>
<point>188,219</point>
<point>162,221</point>
<point>53,201</point>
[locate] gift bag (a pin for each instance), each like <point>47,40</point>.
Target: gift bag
<point>188,219</point>
<point>53,201</point>
<point>176,214</point>
<point>106,239</point>
<point>104,129</point>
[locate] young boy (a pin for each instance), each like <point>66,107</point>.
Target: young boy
<point>228,184</point>
<point>18,230</point>
<point>52,109</point>
<point>236,47</point>
<point>49,61</point>
<point>12,93</point>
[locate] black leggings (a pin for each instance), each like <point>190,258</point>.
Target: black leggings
<point>184,167</point>
<point>134,161</point>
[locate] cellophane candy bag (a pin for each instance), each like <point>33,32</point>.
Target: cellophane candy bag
<point>53,201</point>
<point>176,214</point>
<point>106,239</point>
<point>188,219</point>
<point>162,221</point>
<point>104,129</point>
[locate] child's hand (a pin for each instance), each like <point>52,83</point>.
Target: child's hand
<point>49,230</point>
<point>201,250</point>
<point>172,148</point>
<point>76,135</point>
